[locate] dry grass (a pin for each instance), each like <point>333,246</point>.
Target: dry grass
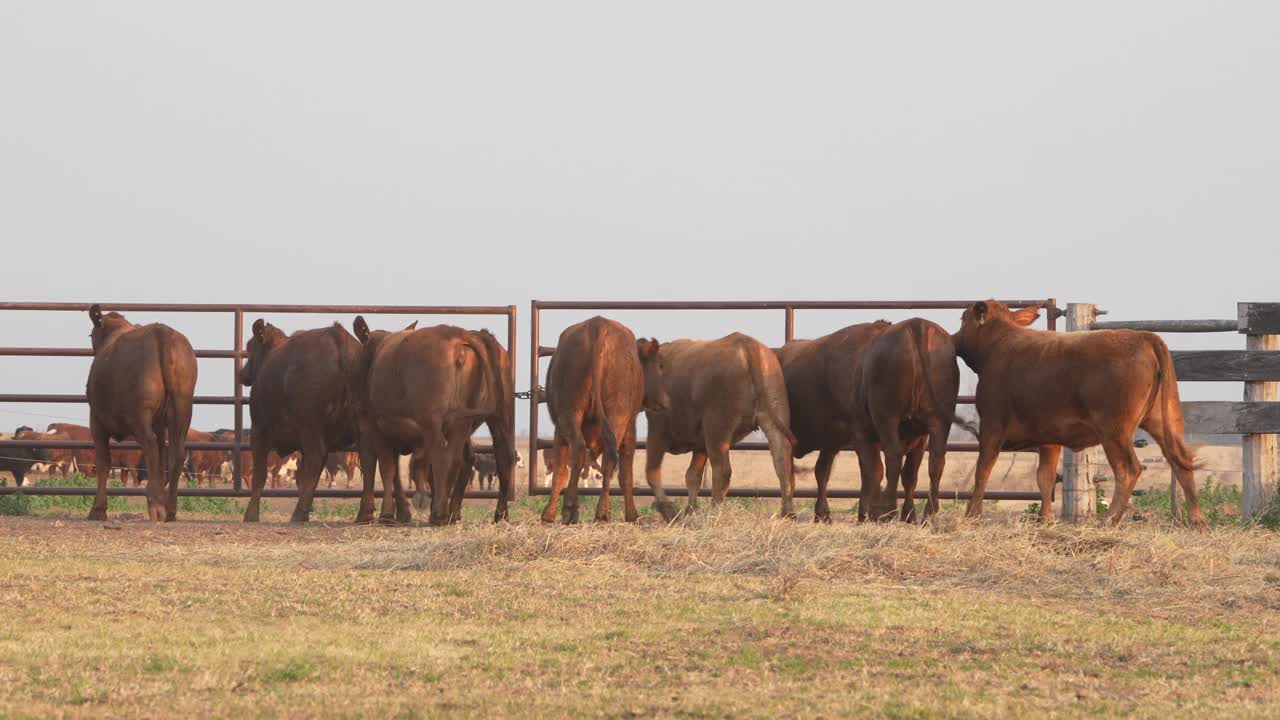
<point>729,614</point>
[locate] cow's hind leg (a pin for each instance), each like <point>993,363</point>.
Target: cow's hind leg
<point>559,478</point>
<point>871,468</point>
<point>693,478</point>
<point>1154,425</point>
<point>252,509</point>
<point>989,442</point>
<point>721,469</point>
<point>822,474</point>
<point>1046,478</point>
<point>309,468</point>
<point>910,477</point>
<point>157,505</point>
<point>938,436</point>
<point>101,451</point>
<point>1127,468</point>
<point>780,450</point>
<point>626,473</point>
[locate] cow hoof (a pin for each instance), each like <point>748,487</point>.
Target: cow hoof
<point>296,518</point>
<point>549,516</point>
<point>667,510</point>
<point>602,518</point>
<point>570,515</point>
<point>97,514</point>
<point>822,517</point>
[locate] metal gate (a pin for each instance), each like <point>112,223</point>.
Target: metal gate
<point>237,400</point>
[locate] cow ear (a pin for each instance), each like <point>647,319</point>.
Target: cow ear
<point>95,314</point>
<point>362,330</point>
<point>1027,315</point>
<point>258,326</point>
<point>980,312</point>
<point>411,326</point>
<point>647,347</point>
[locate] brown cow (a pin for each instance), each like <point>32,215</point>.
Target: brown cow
<point>880,387</point>
<point>306,390</point>
<point>1046,390</point>
<point>67,459</point>
<point>205,466</point>
<point>599,379</point>
<point>426,392</point>
<point>347,462</point>
<point>141,383</point>
<point>719,391</point>
<point>126,463</point>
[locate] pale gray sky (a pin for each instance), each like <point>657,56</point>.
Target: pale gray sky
<point>1123,153</point>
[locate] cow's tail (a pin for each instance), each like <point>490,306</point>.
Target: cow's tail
<point>1165,392</point>
<point>761,389</point>
<point>607,436</point>
<point>919,341</point>
<point>177,364</point>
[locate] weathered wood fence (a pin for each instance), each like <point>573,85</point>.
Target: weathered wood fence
<point>1256,418</point>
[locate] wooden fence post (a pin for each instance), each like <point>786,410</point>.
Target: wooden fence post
<point>1078,498</point>
<point>1261,456</point>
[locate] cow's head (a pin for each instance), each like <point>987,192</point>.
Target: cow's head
<point>266,337</point>
<point>984,320</point>
<point>656,398</point>
<point>104,326</point>
<point>37,454</point>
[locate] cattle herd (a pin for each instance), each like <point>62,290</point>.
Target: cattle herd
<point>886,390</point>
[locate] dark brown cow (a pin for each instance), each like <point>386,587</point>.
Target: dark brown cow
<point>141,383</point>
<point>879,387</point>
<point>599,379</point>
<point>306,391</point>
<point>1046,390</point>
<point>719,392</point>
<point>427,391</point>
<point>205,465</point>
<point>18,461</point>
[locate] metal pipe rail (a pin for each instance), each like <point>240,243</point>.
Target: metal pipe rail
<point>537,351</point>
<point>236,354</point>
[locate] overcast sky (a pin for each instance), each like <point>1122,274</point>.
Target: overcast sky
<point>1121,153</point>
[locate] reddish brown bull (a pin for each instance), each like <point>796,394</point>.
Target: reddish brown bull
<point>878,387</point>
<point>1047,390</point>
<point>141,383</point>
<point>598,381</point>
<point>347,462</point>
<point>427,391</point>
<point>306,390</point>
<point>205,465</point>
<point>66,459</point>
<point>719,391</point>
<point>126,462</point>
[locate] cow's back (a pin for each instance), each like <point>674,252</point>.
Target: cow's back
<point>313,378</point>
<point>708,378</point>
<point>602,340</point>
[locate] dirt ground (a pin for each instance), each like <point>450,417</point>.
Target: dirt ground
<point>731,613</point>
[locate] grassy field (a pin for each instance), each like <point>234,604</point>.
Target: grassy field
<point>731,613</point>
